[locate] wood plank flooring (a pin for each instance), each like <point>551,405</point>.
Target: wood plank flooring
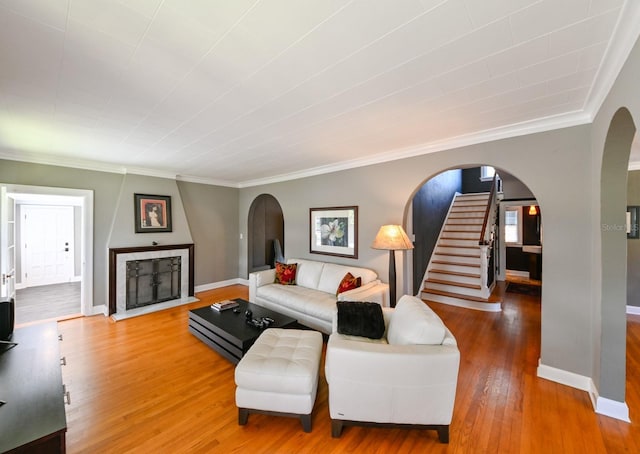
<point>146,385</point>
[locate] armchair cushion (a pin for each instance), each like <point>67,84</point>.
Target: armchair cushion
<point>359,318</point>
<point>413,322</point>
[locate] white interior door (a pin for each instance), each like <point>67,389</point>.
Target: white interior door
<point>7,245</point>
<point>47,238</point>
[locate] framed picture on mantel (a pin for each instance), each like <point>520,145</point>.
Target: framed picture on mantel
<point>152,213</point>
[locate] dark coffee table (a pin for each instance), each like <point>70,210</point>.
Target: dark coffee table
<point>228,333</point>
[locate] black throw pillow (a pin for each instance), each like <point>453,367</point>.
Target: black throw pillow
<point>359,318</point>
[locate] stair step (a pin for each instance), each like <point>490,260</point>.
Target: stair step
<point>462,301</point>
<point>452,262</point>
<point>459,251</point>
<point>454,273</point>
<point>468,209</point>
<point>453,284</point>
<point>458,259</point>
<point>455,295</point>
<point>473,195</point>
<point>459,242</point>
<point>460,235</point>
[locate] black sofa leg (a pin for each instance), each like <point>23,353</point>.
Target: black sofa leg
<point>336,428</point>
<point>443,434</point>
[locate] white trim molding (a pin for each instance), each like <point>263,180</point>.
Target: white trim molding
<point>633,310</point>
<point>613,409</point>
<point>565,377</point>
<point>211,286</point>
<point>601,405</point>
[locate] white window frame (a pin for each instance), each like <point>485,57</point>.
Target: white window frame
<point>518,243</point>
<point>487,173</point>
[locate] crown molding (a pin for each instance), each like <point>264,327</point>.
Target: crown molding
<point>624,37</point>
<point>208,181</point>
<point>550,123</point>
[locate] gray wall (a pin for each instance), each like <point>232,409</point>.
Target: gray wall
<point>212,212</point>
<point>213,226</point>
<point>633,245</point>
<point>384,191</point>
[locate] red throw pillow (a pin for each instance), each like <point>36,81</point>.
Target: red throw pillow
<point>348,283</point>
<point>286,274</point>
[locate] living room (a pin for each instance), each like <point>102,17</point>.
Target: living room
<point>574,168</point>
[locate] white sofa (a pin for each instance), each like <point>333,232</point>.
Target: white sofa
<point>312,300</point>
<point>408,378</point>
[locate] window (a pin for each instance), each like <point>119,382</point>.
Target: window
<point>487,173</point>
<point>513,226</point>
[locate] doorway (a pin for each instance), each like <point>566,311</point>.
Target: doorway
<point>64,277</point>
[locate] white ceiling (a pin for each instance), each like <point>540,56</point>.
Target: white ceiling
<point>240,92</point>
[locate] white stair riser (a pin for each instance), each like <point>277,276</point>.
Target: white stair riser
<point>466,215</point>
<point>475,269</point>
<point>453,289</point>
<point>476,228</point>
<point>467,209</point>
<point>454,278</point>
<point>488,307</point>
<point>457,250</point>
<point>456,259</point>
<point>478,201</point>
<point>461,235</point>
<point>477,195</point>
<point>459,242</point>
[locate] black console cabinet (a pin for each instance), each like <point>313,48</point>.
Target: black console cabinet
<point>33,418</point>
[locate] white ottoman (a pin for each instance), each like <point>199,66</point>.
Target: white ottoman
<point>279,375</point>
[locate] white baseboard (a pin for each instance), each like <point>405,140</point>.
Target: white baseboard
<point>101,309</point>
<point>565,377</point>
<point>518,273</point>
<point>601,405</point>
<point>633,310</point>
<point>211,286</point>
<point>612,408</point>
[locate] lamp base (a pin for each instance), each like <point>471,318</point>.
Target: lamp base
<point>392,278</point>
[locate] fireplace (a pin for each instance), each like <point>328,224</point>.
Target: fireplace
<point>146,276</point>
<point>151,281</point>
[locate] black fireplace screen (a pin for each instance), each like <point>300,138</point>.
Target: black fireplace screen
<point>152,281</point>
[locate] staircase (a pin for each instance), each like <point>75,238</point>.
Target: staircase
<point>458,269</point>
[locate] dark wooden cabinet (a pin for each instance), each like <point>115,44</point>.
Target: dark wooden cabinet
<point>33,418</point>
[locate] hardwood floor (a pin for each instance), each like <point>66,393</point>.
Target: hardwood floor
<point>147,385</point>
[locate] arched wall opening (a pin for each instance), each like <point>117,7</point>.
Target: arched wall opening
<point>613,200</point>
<point>436,192</point>
<point>265,225</point>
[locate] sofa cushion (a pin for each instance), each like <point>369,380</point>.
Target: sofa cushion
<point>286,274</point>
<point>300,299</point>
<point>308,273</point>
<point>359,318</point>
<point>348,282</point>
<point>413,322</point>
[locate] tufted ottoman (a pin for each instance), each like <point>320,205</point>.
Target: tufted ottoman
<point>279,375</point>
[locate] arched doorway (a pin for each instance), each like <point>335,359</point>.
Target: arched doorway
<point>265,224</point>
<point>451,279</point>
<point>613,200</point>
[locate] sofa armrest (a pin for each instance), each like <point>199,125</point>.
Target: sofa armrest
<point>258,279</point>
<point>375,292</point>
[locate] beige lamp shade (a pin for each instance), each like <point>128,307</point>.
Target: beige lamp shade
<point>393,238</point>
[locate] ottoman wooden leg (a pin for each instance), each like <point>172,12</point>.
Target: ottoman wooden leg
<point>243,416</point>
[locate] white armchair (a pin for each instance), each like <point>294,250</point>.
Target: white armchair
<point>406,379</point>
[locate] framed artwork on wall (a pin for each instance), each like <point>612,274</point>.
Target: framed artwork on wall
<point>334,231</point>
<point>152,213</point>
<point>632,222</point>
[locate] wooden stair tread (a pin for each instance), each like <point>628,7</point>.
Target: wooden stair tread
<point>454,295</point>
<point>460,246</point>
<point>453,284</point>
<point>444,262</point>
<point>455,273</point>
<point>453,254</point>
